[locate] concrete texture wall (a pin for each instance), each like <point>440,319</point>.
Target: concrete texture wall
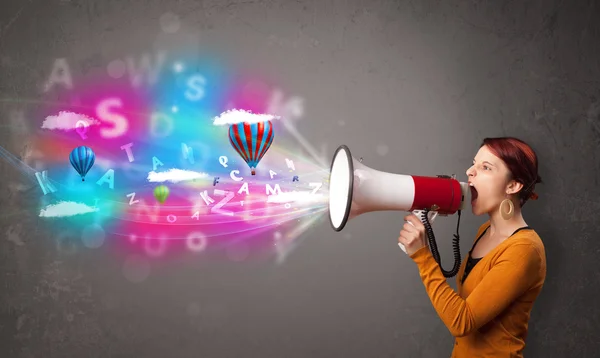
<point>410,86</point>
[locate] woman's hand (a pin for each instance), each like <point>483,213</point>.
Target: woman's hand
<point>412,236</point>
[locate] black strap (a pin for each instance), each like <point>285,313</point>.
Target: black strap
<point>519,229</point>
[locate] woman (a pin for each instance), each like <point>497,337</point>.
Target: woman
<point>506,267</point>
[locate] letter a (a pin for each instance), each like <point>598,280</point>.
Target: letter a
<point>108,177</point>
<point>60,74</point>
<point>155,163</point>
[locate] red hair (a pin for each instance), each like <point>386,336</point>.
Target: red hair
<point>521,161</point>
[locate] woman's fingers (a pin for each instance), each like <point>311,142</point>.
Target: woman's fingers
<point>409,227</point>
<point>407,237</point>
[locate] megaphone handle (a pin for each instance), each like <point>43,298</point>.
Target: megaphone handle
<point>419,213</point>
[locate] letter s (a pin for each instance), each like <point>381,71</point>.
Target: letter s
<point>104,113</point>
<point>197,84</point>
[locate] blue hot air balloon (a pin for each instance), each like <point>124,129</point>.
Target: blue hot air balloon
<point>82,159</point>
<point>251,141</point>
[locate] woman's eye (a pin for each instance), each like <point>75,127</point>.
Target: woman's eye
<point>485,167</point>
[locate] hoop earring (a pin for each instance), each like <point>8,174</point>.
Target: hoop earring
<point>507,214</point>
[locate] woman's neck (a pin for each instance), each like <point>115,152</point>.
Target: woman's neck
<point>500,227</point>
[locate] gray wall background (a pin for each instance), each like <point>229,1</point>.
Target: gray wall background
<point>396,81</point>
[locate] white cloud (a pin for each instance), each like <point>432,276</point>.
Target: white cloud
<point>67,121</point>
<point>174,176</point>
<point>66,208</point>
<point>235,116</point>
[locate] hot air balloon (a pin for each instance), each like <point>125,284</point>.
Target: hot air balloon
<point>82,159</point>
<point>161,193</point>
<point>251,141</point>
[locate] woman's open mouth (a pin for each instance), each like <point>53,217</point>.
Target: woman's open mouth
<point>473,193</point>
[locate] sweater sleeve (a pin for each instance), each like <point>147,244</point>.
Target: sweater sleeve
<point>515,271</point>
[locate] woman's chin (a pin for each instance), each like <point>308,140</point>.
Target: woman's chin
<point>475,209</point>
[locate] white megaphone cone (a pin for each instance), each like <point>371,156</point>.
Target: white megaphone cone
<point>355,189</point>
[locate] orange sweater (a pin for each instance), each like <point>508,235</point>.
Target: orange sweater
<point>489,315</point>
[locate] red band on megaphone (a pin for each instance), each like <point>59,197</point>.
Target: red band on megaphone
<point>446,193</point>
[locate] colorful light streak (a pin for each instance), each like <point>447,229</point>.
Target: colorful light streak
<point>165,133</point>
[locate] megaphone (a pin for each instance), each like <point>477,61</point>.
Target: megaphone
<point>355,189</point>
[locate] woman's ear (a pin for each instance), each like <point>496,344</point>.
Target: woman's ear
<point>513,187</point>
